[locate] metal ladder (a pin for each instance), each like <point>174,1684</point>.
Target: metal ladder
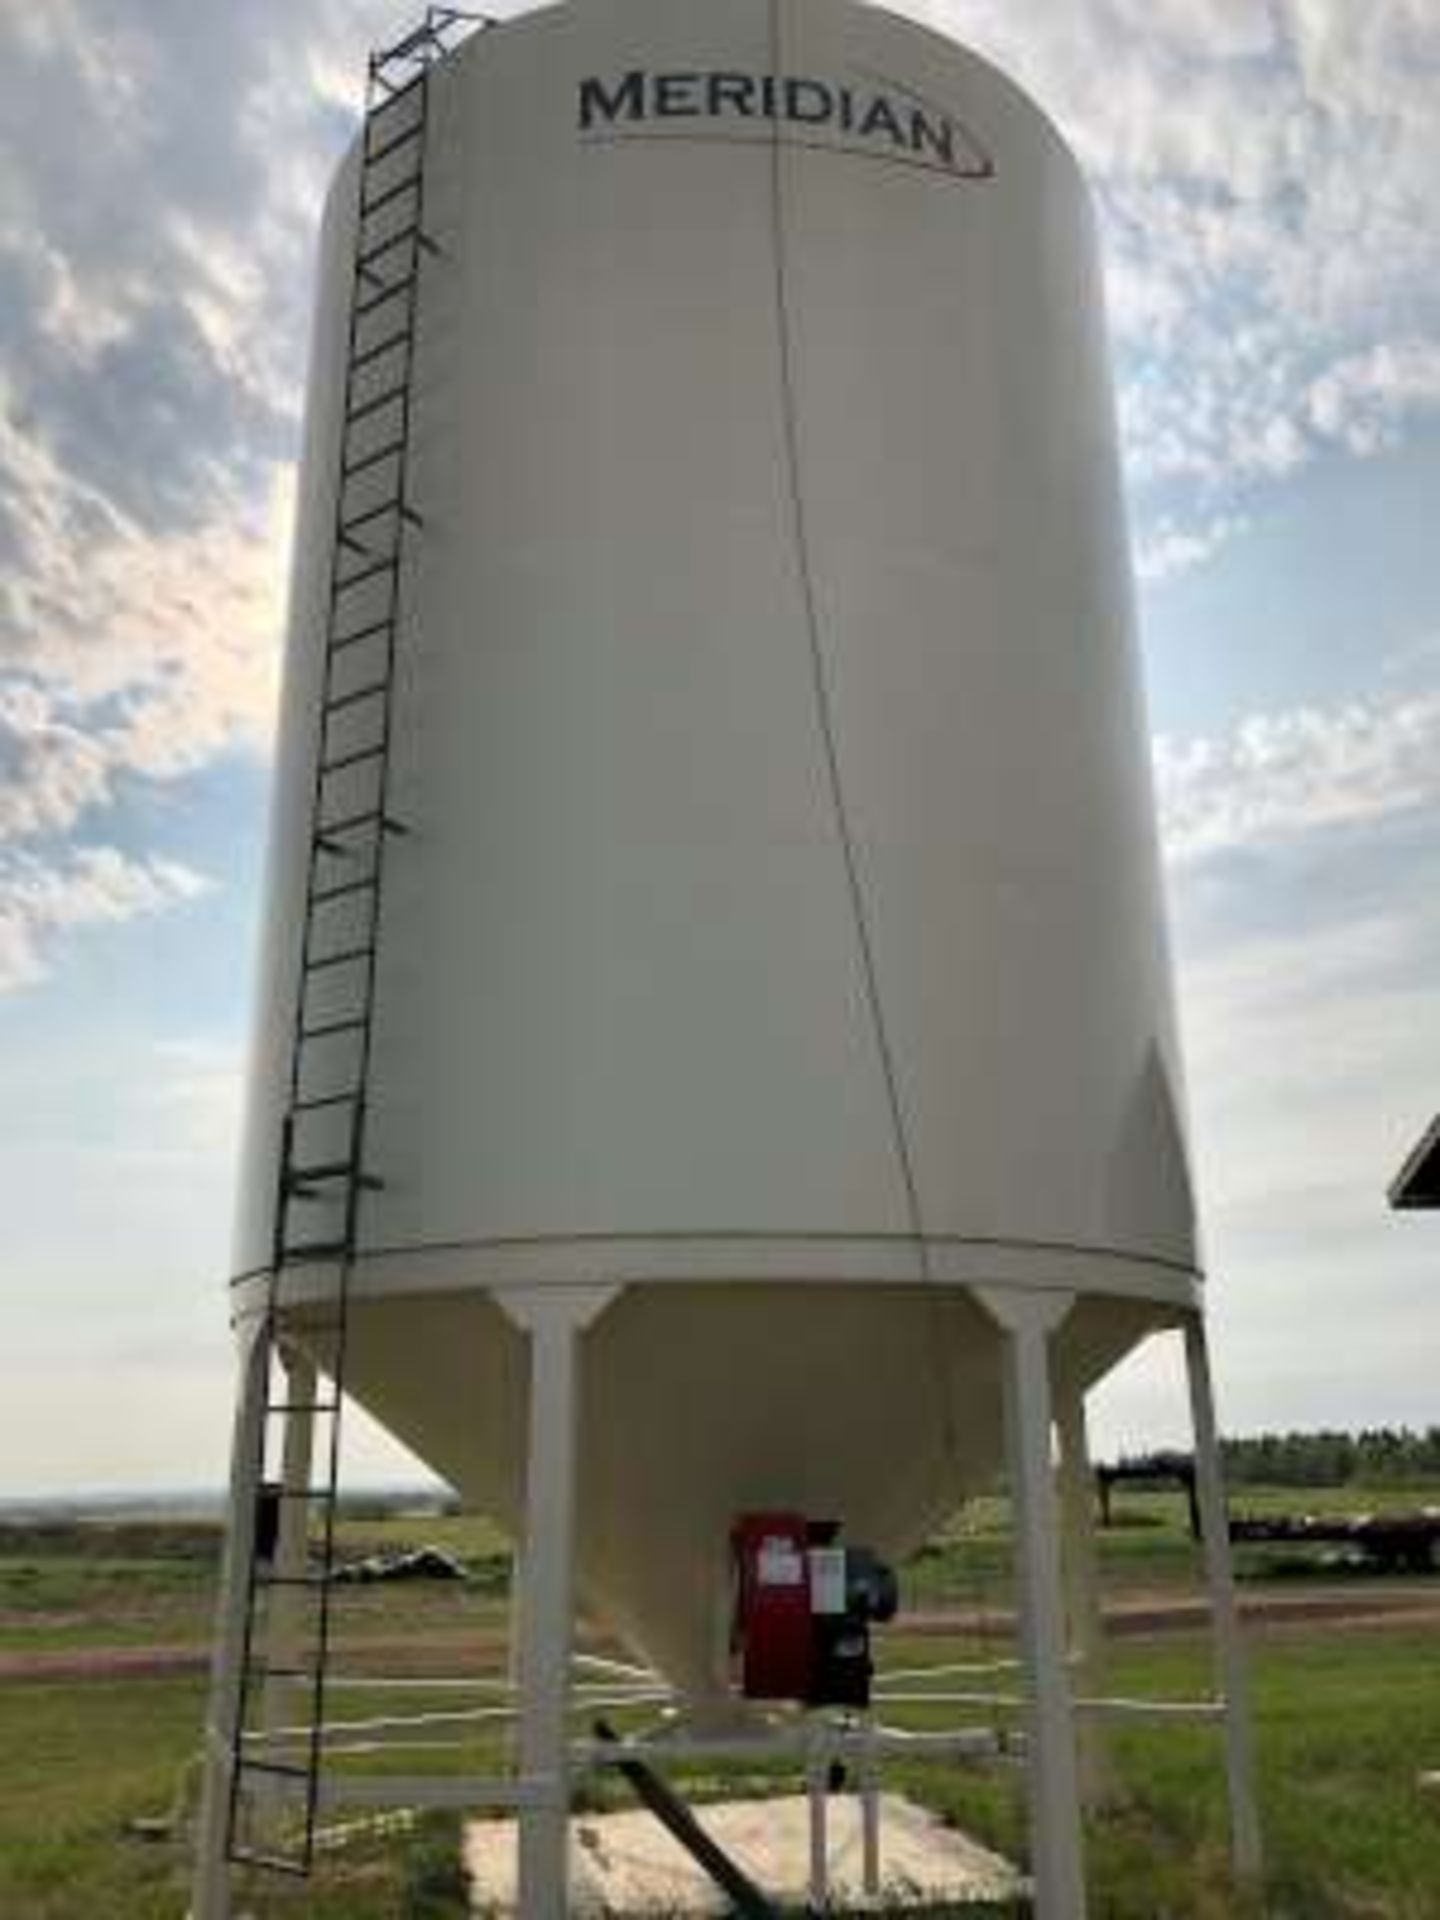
<point>322,1174</point>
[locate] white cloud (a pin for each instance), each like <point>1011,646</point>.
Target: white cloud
<point>1170,548</point>
<point>1266,173</point>
<point>128,652</point>
<point>1371,58</point>
<point>1278,775</point>
<point>1266,178</point>
<point>153,289</point>
<point>51,771</point>
<point>86,887</point>
<point>191,1104</point>
<point>1304,875</point>
<point>180,628</point>
<point>1314,1058</point>
<point>1363,401</point>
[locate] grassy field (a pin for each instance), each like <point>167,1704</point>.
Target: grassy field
<point>1347,1715</point>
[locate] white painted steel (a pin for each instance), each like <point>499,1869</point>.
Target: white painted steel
<point>777,1743</point>
<point>554,1321</point>
<point>210,1889</point>
<point>1231,1668</point>
<point>781,904</point>
<point>870,1870</point>
<point>1081,1574</point>
<point>817,1790</point>
<point>1052,1781</point>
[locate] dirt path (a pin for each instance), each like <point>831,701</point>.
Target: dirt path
<point>436,1654</point>
<point>1267,1610</point>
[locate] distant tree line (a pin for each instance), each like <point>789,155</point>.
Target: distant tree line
<point>1375,1456</point>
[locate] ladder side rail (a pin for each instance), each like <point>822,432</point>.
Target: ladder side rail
<point>366,1040</point>
<point>296,1184</point>
<point>285,1195</point>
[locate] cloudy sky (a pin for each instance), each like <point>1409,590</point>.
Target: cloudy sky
<point>1267,172</point>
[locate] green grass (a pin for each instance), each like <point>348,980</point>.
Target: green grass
<point>1346,1719</point>
<point>129,1586</point>
<point>1344,1722</point>
<point>77,1762</point>
<point>142,1583</point>
<point>1149,1550</point>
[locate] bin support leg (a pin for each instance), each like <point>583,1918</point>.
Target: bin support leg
<point>1082,1587</point>
<point>210,1897</point>
<point>554,1318</point>
<point>817,1787</point>
<point>870,1878</point>
<point>1027,1319</point>
<point>1230,1667</point>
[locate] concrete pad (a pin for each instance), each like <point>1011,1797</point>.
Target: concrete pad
<point>627,1862</point>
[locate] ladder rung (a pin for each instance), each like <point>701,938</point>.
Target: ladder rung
<point>264,1671</point>
<point>283,1769</point>
<point>302,1185</point>
<point>352,1023</point>
<point>388,292</point>
<point>317,1250</point>
<point>410,184</point>
<point>346,957</point>
<point>355,759</point>
<point>402,337</point>
<point>348,824</point>
<point>339,642</point>
<point>326,842</point>
<point>338,892</point>
<point>390,451</point>
<point>391,57</point>
<point>367,258</point>
<point>306,1493</point>
<point>304,1406</point>
<point>374,404</point>
<point>334,1170</point>
<point>298,1868</point>
<point>412,47</point>
<point>398,506</point>
<point>322,1170</point>
<point>374,156</point>
<point>390,564</point>
<point>394,95</point>
<point>338,702</point>
<point>317,1103</point>
<point>363,519</point>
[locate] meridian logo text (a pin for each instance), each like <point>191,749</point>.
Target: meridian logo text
<point>899,126</point>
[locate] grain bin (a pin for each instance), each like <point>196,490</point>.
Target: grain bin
<point>714,920</point>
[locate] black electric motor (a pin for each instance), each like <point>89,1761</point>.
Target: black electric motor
<point>852,1590</point>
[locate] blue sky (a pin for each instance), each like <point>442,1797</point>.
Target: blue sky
<point>1266,172</point>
